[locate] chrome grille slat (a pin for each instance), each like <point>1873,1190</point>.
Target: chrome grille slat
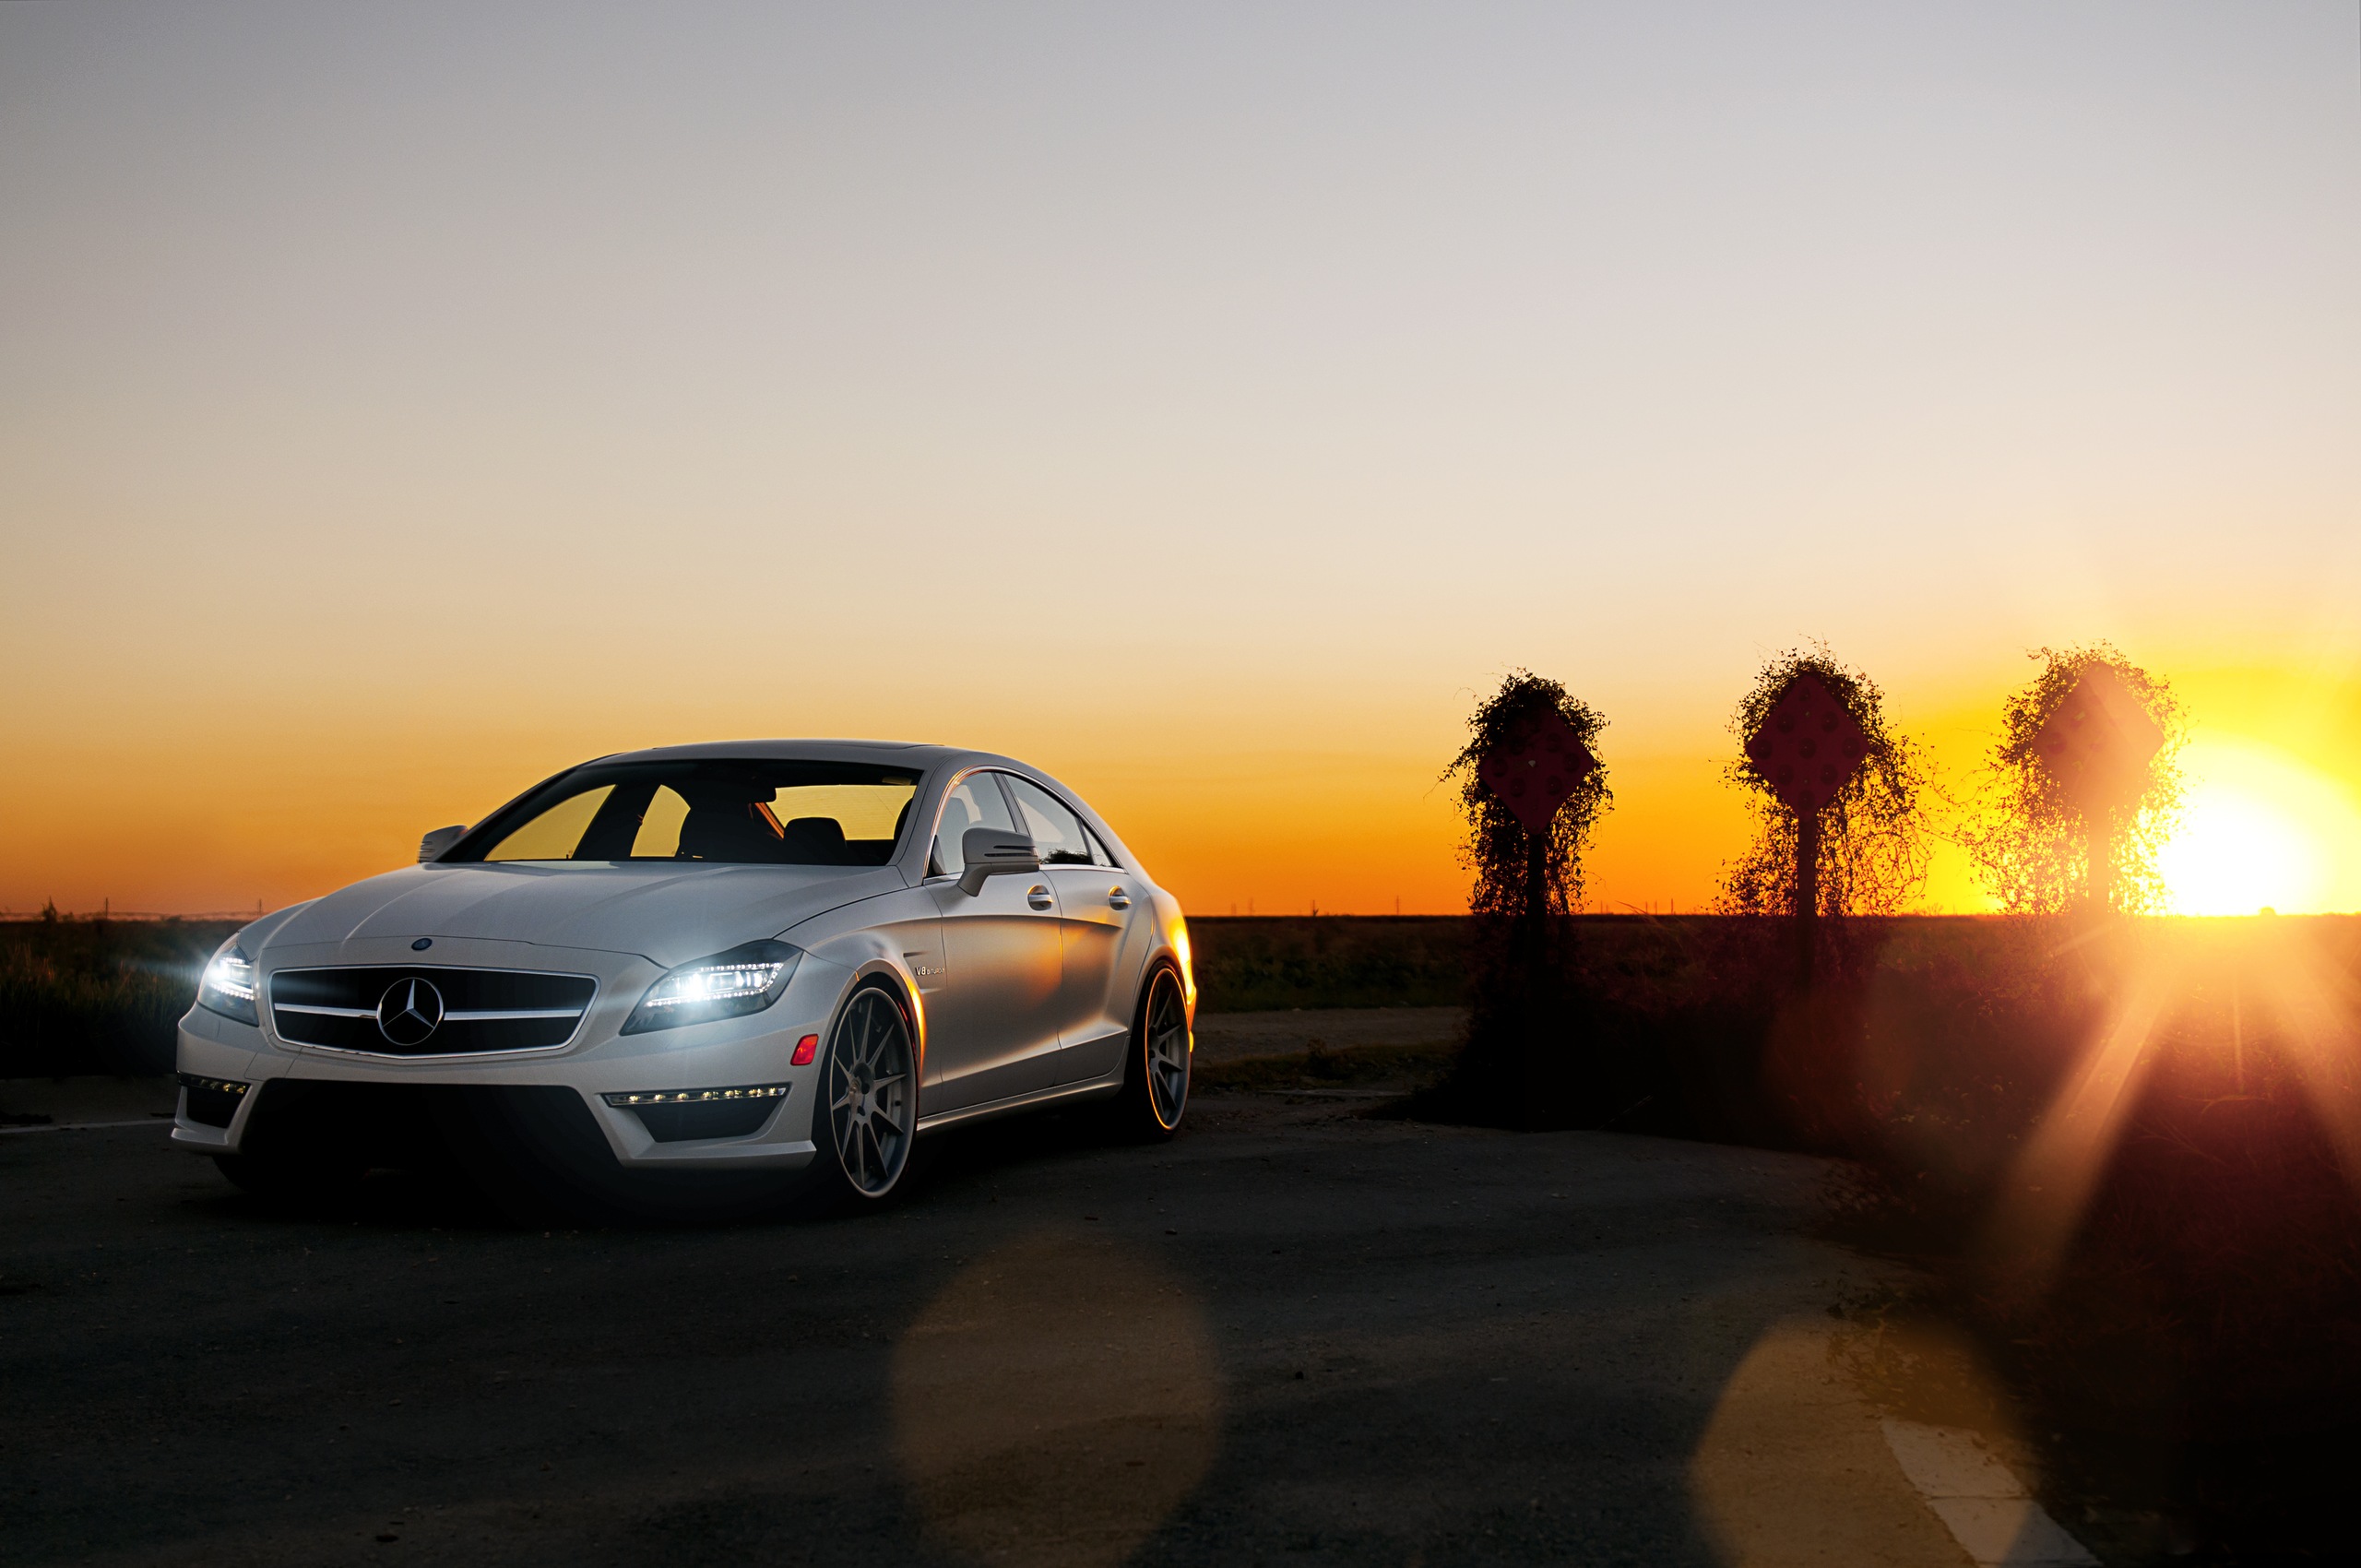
<point>477,1015</point>
<point>480,1011</point>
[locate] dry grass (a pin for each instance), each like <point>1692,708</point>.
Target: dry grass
<point>97,996</point>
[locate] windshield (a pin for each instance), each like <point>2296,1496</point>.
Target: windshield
<point>721,811</point>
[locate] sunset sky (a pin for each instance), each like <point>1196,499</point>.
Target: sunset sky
<point>1205,403</point>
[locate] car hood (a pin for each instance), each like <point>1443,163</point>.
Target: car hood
<point>666,913</point>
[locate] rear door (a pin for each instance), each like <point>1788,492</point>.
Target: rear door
<point>1097,907</point>
<point>992,1026</point>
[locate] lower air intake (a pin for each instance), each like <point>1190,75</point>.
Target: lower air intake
<point>679,1116</point>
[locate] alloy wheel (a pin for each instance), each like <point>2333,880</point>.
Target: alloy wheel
<point>872,1105</point>
<point>1167,1051</point>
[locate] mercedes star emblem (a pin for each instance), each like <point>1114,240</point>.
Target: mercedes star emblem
<point>409,1011</point>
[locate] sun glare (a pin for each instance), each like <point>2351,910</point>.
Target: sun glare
<point>2260,830</point>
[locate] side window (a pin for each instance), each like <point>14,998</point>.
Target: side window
<point>1057,832</point>
<point>974,802</point>
<point>659,826</point>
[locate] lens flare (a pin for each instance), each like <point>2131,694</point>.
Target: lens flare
<point>2261,830</point>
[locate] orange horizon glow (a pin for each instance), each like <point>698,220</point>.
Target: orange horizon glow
<point>1261,831</point>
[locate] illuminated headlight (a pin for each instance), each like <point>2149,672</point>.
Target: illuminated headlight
<point>228,987</point>
<point>727,985</point>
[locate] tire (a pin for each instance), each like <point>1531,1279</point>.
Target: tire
<point>1155,1095</point>
<point>865,1116</point>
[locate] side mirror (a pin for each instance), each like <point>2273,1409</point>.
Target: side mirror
<point>990,851</point>
<point>431,847</point>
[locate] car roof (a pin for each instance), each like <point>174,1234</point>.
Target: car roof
<point>904,753</point>
<point>918,756</point>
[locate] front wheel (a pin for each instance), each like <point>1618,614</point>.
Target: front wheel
<point>1155,1072</point>
<point>868,1102</point>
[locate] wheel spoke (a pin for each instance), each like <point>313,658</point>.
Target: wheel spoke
<point>870,1080</point>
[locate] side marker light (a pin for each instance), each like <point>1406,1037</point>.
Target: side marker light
<point>805,1049</point>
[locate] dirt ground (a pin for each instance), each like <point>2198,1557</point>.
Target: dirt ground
<point>1294,1334</point>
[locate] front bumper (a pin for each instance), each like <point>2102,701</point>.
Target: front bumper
<point>733,1053</point>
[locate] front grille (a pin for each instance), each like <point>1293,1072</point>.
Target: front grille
<point>404,1010</point>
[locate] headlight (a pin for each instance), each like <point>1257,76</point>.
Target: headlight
<point>727,985</point>
<point>228,987</point>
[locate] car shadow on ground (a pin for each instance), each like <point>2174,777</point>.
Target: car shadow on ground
<point>433,1191</point>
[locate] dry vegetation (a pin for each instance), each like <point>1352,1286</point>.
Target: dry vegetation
<point>97,996</point>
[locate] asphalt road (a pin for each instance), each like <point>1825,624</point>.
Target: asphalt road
<point>1291,1335</point>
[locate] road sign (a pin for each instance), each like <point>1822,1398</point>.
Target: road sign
<point>2097,743</point>
<point>1537,770</point>
<point>1807,747</point>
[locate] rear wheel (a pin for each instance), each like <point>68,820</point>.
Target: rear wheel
<point>867,1115</point>
<point>1156,1073</point>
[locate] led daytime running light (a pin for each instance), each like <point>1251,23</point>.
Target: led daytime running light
<point>694,1097</point>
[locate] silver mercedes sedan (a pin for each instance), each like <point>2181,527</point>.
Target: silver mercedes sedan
<point>697,980</point>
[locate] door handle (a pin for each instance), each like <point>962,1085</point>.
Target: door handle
<point>1038,898</point>
<point>1118,898</point>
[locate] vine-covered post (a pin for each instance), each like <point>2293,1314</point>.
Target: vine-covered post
<point>1533,789</point>
<point>1835,797</point>
<point>2097,745</point>
<point>1807,896</point>
<point>1806,749</point>
<point>2082,788</point>
<point>1534,767</point>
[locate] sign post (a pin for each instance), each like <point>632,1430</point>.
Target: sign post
<point>1534,771</point>
<point>2097,745</point>
<point>1807,749</point>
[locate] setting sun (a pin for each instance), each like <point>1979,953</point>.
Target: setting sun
<point>2261,830</point>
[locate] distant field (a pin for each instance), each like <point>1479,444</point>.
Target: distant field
<point>97,996</point>
<point>1248,964</point>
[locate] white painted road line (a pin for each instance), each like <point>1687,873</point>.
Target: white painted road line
<point>1984,1506</point>
<point>85,1126</point>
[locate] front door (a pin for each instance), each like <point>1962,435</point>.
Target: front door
<point>993,1027</point>
<point>1096,908</point>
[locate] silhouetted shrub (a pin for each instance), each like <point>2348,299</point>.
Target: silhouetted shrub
<point>1531,1056</point>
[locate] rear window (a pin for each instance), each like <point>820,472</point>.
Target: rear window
<point>720,811</point>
